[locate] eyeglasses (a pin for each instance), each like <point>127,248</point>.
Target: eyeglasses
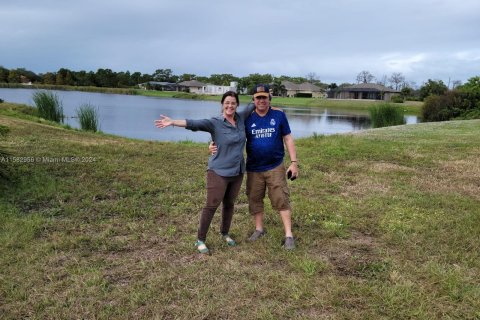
<point>261,97</point>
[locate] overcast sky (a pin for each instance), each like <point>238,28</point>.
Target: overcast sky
<point>422,39</point>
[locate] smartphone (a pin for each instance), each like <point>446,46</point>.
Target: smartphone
<point>289,175</point>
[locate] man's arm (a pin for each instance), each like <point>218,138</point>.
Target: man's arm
<point>290,144</point>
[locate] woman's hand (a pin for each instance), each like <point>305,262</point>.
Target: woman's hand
<point>163,122</point>
<point>212,148</point>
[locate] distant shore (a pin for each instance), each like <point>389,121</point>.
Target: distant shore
<point>410,107</point>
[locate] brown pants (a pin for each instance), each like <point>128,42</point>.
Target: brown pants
<point>219,189</point>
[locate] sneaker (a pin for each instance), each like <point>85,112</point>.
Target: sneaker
<point>201,247</point>
<point>289,243</point>
<point>229,240</point>
<point>256,235</point>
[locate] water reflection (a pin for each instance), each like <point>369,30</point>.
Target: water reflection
<point>133,116</point>
<point>307,121</point>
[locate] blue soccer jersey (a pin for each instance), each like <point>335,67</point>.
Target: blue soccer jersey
<point>265,149</point>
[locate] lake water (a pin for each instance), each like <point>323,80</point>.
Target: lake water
<point>133,116</point>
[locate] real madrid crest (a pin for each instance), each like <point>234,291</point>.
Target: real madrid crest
<point>272,122</point>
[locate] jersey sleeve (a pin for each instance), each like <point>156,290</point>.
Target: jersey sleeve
<point>285,128</point>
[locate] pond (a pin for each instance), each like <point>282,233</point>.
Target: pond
<point>133,116</point>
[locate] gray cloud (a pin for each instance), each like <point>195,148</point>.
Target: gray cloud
<point>422,39</point>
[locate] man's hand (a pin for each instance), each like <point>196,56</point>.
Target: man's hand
<point>293,168</point>
<point>212,148</point>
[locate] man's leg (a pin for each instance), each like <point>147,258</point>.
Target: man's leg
<point>286,216</point>
<point>279,198</point>
<point>255,193</point>
<point>258,221</point>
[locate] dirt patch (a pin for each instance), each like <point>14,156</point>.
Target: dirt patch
<point>382,167</point>
<point>356,256</point>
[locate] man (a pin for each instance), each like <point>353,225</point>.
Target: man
<point>267,131</point>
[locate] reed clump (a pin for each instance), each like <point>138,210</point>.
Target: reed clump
<point>88,117</point>
<point>49,106</point>
<point>385,115</point>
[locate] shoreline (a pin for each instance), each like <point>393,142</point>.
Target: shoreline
<point>409,107</point>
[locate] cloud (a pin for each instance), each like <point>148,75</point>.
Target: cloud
<point>421,39</point>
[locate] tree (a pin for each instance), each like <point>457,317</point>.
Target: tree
<point>312,77</point>
<point>186,77</point>
<point>123,79</point>
<point>84,78</point>
<point>222,79</point>
<point>471,93</point>
<point>278,88</point>
<point>254,79</point>
<point>106,78</point>
<point>432,87</point>
<point>64,77</point>
<point>3,74</point>
<point>396,79</point>
<point>456,83</point>
<point>164,75</point>
<point>365,77</point>
<point>13,77</point>
<point>48,78</point>
<point>383,80</point>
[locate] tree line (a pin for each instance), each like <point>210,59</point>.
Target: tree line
<point>125,79</point>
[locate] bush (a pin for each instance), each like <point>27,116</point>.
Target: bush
<point>397,99</point>
<point>49,106</point>
<point>1,100</point>
<point>303,95</point>
<point>471,114</point>
<point>385,115</point>
<point>88,117</point>
<point>443,107</point>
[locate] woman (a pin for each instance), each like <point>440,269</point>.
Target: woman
<point>225,168</point>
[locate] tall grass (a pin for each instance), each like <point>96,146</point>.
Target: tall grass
<point>88,117</point>
<point>385,114</point>
<point>49,106</point>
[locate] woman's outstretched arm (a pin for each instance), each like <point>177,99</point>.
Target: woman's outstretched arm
<point>165,121</point>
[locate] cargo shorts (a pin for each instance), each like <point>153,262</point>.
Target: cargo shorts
<point>275,182</point>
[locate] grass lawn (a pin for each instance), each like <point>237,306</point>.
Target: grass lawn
<point>100,227</point>
<point>410,107</point>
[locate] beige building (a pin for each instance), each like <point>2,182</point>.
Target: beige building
<point>198,87</point>
<point>305,89</point>
<point>370,91</point>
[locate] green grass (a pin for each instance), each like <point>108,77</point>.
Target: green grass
<point>409,107</point>
<point>386,220</point>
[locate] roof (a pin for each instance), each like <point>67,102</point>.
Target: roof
<point>192,83</point>
<point>368,87</point>
<point>306,86</point>
<point>160,83</point>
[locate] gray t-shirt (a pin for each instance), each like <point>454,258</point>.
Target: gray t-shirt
<point>230,141</point>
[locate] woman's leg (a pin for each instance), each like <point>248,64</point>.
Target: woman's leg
<point>231,193</point>
<point>216,186</point>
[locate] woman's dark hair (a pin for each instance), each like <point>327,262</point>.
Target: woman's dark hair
<point>230,94</point>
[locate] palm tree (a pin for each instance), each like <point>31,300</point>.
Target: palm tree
<point>278,88</point>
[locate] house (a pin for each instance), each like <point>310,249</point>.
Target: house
<point>198,87</point>
<point>160,86</point>
<point>371,91</point>
<point>192,86</point>
<point>305,89</point>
